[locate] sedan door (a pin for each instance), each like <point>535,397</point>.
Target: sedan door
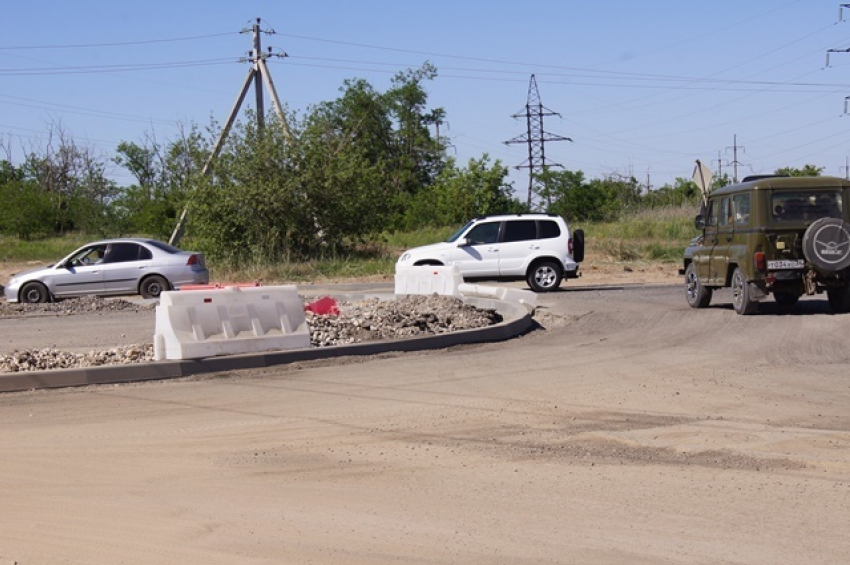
<point>77,276</point>
<point>124,266</point>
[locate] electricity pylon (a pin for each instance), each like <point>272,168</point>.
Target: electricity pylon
<point>536,139</point>
<point>257,74</point>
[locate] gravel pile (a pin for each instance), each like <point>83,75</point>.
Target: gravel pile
<point>357,322</point>
<point>409,316</point>
<point>50,358</point>
<point>84,305</point>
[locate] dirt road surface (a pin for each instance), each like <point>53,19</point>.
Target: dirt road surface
<point>629,429</point>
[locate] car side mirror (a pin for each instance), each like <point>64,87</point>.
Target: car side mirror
<point>464,242</point>
<point>699,222</point>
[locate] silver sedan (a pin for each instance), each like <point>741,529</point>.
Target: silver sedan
<point>111,267</point>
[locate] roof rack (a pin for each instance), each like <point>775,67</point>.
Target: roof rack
<point>759,177</point>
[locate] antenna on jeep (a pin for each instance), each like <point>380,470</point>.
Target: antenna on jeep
<point>702,178</point>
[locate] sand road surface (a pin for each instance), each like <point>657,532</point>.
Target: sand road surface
<point>631,430</point>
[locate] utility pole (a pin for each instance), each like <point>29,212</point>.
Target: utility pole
<point>536,139</point>
<point>735,161</point>
<point>257,74</point>
<point>846,168</point>
<point>719,162</point>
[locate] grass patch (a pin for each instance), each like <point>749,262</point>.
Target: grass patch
<point>47,250</point>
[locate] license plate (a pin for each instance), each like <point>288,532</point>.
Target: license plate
<point>776,265</point>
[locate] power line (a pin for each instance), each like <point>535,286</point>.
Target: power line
<point>114,44</point>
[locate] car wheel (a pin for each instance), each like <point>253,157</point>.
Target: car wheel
<point>786,299</point>
<point>697,295</point>
<point>839,299</point>
<point>34,293</point>
<point>741,299</point>
<point>153,286</point>
<point>544,276</point>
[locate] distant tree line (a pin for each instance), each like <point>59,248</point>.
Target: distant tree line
<point>346,170</point>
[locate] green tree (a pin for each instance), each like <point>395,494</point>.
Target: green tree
<point>459,194</point>
<point>806,171</point>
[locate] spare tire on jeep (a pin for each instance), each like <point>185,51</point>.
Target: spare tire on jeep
<point>826,244</point>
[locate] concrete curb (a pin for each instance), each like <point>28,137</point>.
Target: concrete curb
<point>516,321</point>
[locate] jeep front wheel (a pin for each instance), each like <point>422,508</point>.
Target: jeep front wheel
<point>544,276</point>
<point>742,299</point>
<point>697,295</point>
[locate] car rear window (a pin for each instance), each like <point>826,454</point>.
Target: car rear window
<point>805,205</point>
<point>520,230</point>
<point>123,252</point>
<point>549,229</point>
<point>164,246</point>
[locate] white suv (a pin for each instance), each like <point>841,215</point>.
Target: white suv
<point>534,247</point>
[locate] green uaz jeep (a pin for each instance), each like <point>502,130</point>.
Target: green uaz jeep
<point>785,236</point>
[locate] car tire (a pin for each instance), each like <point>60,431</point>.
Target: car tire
<point>544,276</point>
<point>786,299</point>
<point>153,286</point>
<point>839,299</point>
<point>696,294</point>
<point>826,244</point>
<point>34,293</point>
<point>741,299</point>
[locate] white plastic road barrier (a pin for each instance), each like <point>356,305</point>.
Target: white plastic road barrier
<point>427,280</point>
<point>231,320</point>
<point>448,281</point>
<point>524,297</point>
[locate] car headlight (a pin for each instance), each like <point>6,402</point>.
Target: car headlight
<point>405,257</point>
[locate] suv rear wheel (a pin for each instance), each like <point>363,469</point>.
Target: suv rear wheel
<point>741,299</point>
<point>544,276</point>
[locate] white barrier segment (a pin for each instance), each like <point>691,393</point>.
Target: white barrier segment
<point>427,279</point>
<point>524,297</point>
<point>194,324</point>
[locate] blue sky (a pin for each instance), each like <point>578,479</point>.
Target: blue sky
<point>642,88</point>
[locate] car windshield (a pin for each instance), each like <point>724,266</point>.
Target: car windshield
<point>459,232</point>
<point>805,205</point>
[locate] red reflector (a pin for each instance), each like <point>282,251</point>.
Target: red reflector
<point>570,245</point>
<point>193,260</point>
<point>759,261</point>
<point>207,300</point>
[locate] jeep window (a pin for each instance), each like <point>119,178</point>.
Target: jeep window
<point>725,213</point>
<point>459,232</point>
<point>549,229</point>
<point>520,230</point>
<point>712,214</point>
<point>805,205</point>
<point>484,233</point>
<point>741,206</point>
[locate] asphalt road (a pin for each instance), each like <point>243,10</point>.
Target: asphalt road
<point>628,429</point>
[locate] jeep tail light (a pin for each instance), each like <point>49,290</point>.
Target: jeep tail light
<point>570,246</point>
<point>759,261</point>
